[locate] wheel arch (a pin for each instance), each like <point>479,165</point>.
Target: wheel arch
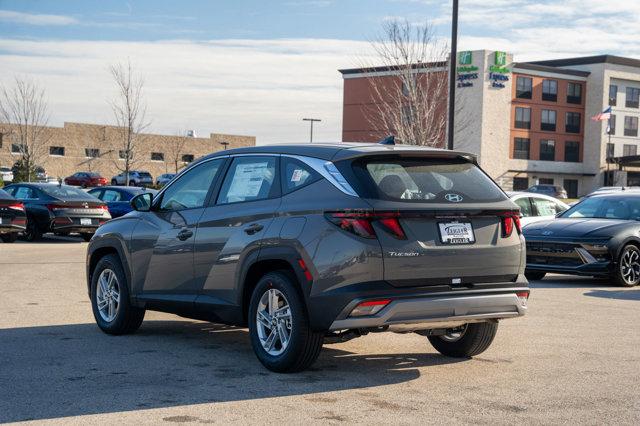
<point>270,259</point>
<point>624,241</point>
<point>102,248</point>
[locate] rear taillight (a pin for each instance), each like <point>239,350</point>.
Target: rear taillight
<point>370,307</point>
<point>360,223</point>
<point>16,206</point>
<point>509,221</point>
<point>104,207</point>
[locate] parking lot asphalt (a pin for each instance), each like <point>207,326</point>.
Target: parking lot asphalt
<point>575,358</point>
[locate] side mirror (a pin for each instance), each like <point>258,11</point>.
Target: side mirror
<point>142,202</point>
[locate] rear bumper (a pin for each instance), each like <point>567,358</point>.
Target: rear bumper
<point>416,308</point>
<point>423,313</point>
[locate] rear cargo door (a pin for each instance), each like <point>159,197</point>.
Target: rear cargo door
<point>440,221</point>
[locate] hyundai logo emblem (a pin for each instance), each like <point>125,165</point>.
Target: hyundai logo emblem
<point>453,198</point>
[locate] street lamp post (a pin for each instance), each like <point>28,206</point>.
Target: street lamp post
<point>225,144</point>
<point>452,73</point>
<point>311,121</point>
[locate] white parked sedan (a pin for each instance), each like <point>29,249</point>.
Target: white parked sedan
<point>536,207</point>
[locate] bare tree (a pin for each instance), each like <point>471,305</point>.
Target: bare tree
<point>129,111</point>
<point>410,100</point>
<point>175,146</point>
<point>25,112</point>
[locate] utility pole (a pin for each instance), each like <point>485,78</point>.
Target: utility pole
<point>311,120</point>
<point>453,60</point>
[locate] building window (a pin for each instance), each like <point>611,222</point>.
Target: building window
<point>520,183</point>
<point>548,121</point>
<point>612,125</point>
<point>91,152</point>
<point>523,87</point>
<point>572,124</point>
<point>632,97</point>
<point>572,151</point>
<point>56,150</point>
<point>571,186</point>
<point>523,118</point>
<point>17,148</point>
<point>613,94</point>
<point>631,126</point>
<point>574,93</point>
<point>547,150</point>
<point>157,156</point>
<point>521,148</point>
<point>549,90</point>
<point>122,154</point>
<point>611,150</point>
<point>187,158</point>
<point>629,150</point>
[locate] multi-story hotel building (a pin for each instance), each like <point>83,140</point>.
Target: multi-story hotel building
<point>530,122</point>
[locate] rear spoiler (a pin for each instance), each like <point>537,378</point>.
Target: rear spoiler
<point>403,151</point>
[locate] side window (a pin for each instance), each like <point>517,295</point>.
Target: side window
<point>544,207</point>
<point>190,191</point>
<point>525,206</point>
<point>110,196</point>
<point>249,179</point>
<point>24,193</point>
<point>296,174</point>
<point>98,193</point>
<point>11,191</point>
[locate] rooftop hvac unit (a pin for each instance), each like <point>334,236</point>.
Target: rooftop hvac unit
<point>191,133</point>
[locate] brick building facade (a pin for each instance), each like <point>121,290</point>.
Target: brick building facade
<point>98,148</point>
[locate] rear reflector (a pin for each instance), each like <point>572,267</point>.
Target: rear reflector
<point>307,274</point>
<point>360,223</point>
<point>523,296</point>
<point>370,307</point>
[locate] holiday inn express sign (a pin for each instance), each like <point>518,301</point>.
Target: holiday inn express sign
<point>467,72</point>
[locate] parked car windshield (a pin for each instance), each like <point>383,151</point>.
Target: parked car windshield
<point>420,180</point>
<point>64,192</point>
<point>626,208</point>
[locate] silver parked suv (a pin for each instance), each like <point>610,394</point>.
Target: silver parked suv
<point>307,243</point>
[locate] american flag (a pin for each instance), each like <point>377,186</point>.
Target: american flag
<point>604,115</point>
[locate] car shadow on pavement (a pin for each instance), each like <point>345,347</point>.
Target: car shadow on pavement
<point>628,294</point>
<point>70,370</point>
<point>570,282</point>
<point>53,239</point>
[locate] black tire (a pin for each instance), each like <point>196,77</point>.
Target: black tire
<point>33,232</point>
<point>475,339</point>
<point>304,343</point>
<point>9,238</point>
<point>128,318</point>
<point>630,280</point>
<point>534,275</point>
<point>114,182</point>
<point>85,236</point>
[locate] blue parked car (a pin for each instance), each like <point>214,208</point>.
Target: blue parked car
<point>117,198</point>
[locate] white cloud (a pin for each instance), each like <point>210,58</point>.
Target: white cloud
<point>255,87</point>
<point>36,19</point>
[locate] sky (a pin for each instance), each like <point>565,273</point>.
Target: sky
<point>256,67</point>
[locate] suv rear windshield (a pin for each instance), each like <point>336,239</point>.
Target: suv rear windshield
<point>426,180</point>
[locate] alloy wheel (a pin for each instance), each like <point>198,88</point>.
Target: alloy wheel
<point>108,295</point>
<point>274,322</point>
<point>454,334</point>
<point>630,266</point>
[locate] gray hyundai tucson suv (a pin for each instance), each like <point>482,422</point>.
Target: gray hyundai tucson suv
<point>312,243</point>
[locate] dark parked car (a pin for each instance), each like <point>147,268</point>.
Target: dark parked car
<point>13,219</point>
<point>85,179</point>
<point>60,209</point>
<point>118,198</point>
<point>550,190</point>
<point>307,242</point>
<point>599,236</point>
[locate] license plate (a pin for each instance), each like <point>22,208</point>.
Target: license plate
<point>85,221</point>
<point>456,233</point>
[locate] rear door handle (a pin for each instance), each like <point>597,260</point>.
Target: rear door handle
<point>185,234</point>
<point>256,227</point>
